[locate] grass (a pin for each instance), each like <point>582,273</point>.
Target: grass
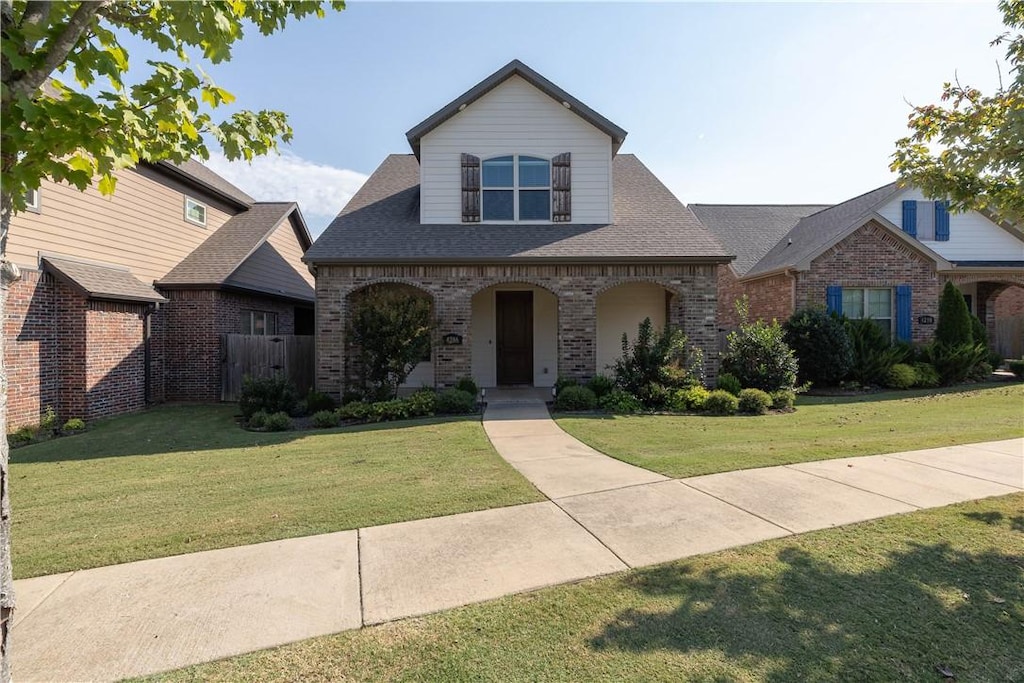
<point>186,478</point>
<point>821,428</point>
<point>886,600</point>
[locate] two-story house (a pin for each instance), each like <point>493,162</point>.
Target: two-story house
<point>536,241</point>
<point>122,299</point>
<point>885,255</point>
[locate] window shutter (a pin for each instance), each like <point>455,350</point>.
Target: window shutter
<point>561,188</point>
<point>834,299</point>
<point>942,221</point>
<point>470,189</point>
<point>903,314</point>
<point>910,217</point>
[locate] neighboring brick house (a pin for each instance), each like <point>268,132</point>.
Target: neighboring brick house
<point>122,299</point>
<point>885,254</point>
<point>537,243</point>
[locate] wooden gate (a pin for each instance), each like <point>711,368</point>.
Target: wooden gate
<point>1009,339</point>
<point>259,355</point>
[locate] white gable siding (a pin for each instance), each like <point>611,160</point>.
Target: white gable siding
<point>972,237</point>
<point>514,118</point>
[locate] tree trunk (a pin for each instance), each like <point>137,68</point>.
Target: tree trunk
<point>8,274</point>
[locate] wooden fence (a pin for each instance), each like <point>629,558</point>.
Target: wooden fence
<point>265,356</point>
<point>1009,340</point>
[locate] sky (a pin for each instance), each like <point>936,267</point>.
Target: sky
<point>726,103</point>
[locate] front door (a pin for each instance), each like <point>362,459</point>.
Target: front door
<point>514,334</point>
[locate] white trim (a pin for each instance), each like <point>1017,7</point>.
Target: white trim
<point>35,205</point>
<point>865,315</point>
<point>197,203</point>
<point>516,189</point>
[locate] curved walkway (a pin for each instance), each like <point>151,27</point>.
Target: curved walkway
<point>603,516</point>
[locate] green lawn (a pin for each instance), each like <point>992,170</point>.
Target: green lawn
<point>181,479</point>
<point>887,600</point>
<point>821,428</point>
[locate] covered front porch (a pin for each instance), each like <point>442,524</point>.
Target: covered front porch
<point>996,296</point>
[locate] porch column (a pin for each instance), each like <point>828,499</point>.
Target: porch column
<point>331,310</point>
<point>453,359</point>
<point>693,309</point>
<point>985,308</point>
<point>577,333</point>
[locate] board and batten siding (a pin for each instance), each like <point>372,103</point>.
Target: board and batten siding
<point>972,237</point>
<point>141,226</point>
<point>515,118</point>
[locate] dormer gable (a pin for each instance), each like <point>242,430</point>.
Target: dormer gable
<point>513,149</point>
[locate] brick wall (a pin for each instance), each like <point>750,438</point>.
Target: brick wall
<point>30,348</point>
<point>692,307</point>
<point>874,257</point>
<point>769,298</point>
<point>1010,303</point>
<point>115,368</point>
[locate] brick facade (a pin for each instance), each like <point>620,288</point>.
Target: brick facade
<point>770,297</point>
<point>30,348</point>
<point>692,307</point>
<point>1010,303</point>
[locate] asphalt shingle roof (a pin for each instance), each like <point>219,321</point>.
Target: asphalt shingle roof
<point>203,176</point>
<point>750,230</point>
<point>213,261</point>
<point>381,224</point>
<point>100,280</point>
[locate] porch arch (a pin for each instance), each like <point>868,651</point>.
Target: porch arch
<point>488,341</point>
<point>621,307</point>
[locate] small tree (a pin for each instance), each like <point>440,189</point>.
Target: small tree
<point>655,362</point>
<point>391,329</point>
<point>758,354</point>
<point>821,344</point>
<point>954,327</point>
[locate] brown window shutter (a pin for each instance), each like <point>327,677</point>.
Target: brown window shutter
<point>470,189</point>
<point>561,188</point>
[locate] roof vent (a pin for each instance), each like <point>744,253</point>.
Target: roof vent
<point>566,105</point>
<point>462,106</point>
<point>789,241</point>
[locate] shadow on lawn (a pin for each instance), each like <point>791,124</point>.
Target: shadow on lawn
<point>929,606</point>
<point>180,429</point>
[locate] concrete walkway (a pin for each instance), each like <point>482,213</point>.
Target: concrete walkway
<point>604,516</point>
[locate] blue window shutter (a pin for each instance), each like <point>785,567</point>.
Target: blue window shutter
<point>834,299</point>
<point>942,221</point>
<point>903,314</point>
<point>910,217</point>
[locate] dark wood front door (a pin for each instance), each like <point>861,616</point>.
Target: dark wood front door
<point>514,348</point>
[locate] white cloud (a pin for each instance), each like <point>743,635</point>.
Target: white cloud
<point>321,190</point>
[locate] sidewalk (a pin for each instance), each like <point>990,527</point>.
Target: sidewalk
<point>603,516</point>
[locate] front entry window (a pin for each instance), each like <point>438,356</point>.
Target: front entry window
<point>516,188</point>
<point>875,304</point>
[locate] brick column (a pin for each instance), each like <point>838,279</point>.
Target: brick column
<point>577,333</point>
<point>985,307</point>
<point>454,311</point>
<point>693,310</point>
<point>331,305</point>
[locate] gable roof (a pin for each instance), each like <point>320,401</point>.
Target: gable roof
<point>751,230</point>
<point>194,173</point>
<point>215,261</point>
<point>99,280</point>
<point>515,68</point>
<point>381,224</point>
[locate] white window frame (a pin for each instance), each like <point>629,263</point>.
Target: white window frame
<point>248,322</point>
<point>864,306</point>
<point>33,201</point>
<point>190,202</point>
<point>515,188</point>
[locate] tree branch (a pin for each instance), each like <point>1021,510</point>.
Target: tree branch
<point>36,12</point>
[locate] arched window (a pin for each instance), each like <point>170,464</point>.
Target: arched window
<point>516,188</point>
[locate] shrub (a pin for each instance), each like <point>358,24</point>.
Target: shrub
<point>873,352</point>
<point>23,435</point>
<point>257,420</point>
<point>278,422</point>
<point>721,402</point>
<point>269,394</point>
<point>356,410</point>
<point>455,401</point>
<point>821,345</point>
<point>980,372</point>
<point>325,419</point>
<point>925,375</point>
<point>1017,368</point>
<point>760,358</point>
<point>385,411</point>
<point>468,385</point>
<point>979,335</point>
<point>995,359</point>
<point>48,420</point>
<point>601,385</point>
<point>390,331</point>
<point>688,399</point>
<point>783,399</point>
<point>562,382</point>
<point>900,376</point>
<point>754,401</point>
<point>317,401</point>
<point>954,363</point>
<point>301,409</point>
<point>74,424</point>
<point>728,382</point>
<point>576,398</point>
<point>350,395</point>
<point>954,326</point>
<point>620,401</point>
<point>655,363</point>
<point>422,403</point>
<point>653,396</point>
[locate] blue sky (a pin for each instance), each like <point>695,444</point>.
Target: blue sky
<point>726,103</point>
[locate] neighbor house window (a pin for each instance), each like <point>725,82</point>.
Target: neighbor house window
<point>516,188</point>
<point>875,304</point>
<point>32,202</point>
<point>259,322</point>
<point>195,212</point>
